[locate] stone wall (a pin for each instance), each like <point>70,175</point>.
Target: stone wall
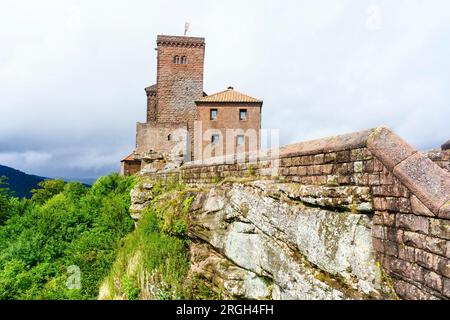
<point>440,157</point>
<point>157,136</point>
<point>130,167</point>
<point>404,193</point>
<point>151,103</point>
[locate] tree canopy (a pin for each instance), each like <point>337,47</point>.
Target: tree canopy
<point>65,233</point>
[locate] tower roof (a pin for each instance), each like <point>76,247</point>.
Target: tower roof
<point>229,95</point>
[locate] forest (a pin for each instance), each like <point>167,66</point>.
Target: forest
<point>61,243</point>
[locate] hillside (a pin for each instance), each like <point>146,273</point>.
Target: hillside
<point>19,182</point>
<point>65,231</point>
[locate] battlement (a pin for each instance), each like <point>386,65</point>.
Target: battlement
<point>180,41</point>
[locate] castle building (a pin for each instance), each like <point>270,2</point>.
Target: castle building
<point>184,123</point>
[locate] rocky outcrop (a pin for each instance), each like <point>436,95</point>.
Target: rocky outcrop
<point>298,250</point>
<point>141,197</point>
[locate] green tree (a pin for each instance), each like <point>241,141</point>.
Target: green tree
<point>75,190</point>
<point>48,189</point>
<point>4,200</point>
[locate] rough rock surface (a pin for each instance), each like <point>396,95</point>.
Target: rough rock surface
<point>141,197</point>
<point>302,252</point>
<point>269,240</point>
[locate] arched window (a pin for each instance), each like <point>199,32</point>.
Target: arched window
<point>176,60</point>
<point>183,60</point>
<point>169,137</point>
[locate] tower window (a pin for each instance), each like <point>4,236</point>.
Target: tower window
<point>242,114</point>
<point>183,60</point>
<point>240,140</point>
<point>215,139</point>
<point>169,137</point>
<point>213,114</point>
<point>176,59</point>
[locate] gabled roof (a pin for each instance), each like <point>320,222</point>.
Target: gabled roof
<point>130,157</point>
<point>229,95</point>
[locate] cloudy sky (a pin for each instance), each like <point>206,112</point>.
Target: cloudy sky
<point>72,72</point>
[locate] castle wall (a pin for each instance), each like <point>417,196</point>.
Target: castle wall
<point>406,194</point>
<point>440,157</point>
<point>154,137</point>
<point>130,167</point>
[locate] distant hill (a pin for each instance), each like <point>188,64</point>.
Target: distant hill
<point>19,182</point>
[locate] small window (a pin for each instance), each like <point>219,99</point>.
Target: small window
<point>213,114</point>
<point>215,139</point>
<point>183,60</point>
<point>176,60</point>
<point>240,140</point>
<point>169,137</point>
<point>243,114</point>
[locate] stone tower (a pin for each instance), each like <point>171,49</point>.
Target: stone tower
<point>179,79</point>
<point>171,108</point>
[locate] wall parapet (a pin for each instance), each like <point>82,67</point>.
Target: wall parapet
<point>425,179</point>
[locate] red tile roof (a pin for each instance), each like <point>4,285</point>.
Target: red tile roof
<point>229,95</point>
<point>130,157</point>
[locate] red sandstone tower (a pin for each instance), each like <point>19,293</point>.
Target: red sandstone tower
<point>171,102</point>
<point>179,78</point>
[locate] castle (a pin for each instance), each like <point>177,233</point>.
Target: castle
<point>183,122</point>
